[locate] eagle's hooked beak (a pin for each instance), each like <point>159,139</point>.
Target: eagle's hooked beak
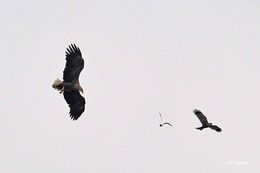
<point>61,91</point>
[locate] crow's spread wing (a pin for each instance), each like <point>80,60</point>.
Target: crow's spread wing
<point>74,64</point>
<point>76,103</point>
<point>201,117</point>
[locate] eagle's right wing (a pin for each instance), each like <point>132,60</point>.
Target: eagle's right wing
<point>76,103</point>
<point>201,116</point>
<point>74,64</point>
<point>214,127</point>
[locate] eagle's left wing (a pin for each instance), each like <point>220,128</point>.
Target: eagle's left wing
<point>76,103</point>
<point>201,117</point>
<point>74,64</point>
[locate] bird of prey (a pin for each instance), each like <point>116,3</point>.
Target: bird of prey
<point>161,124</point>
<point>70,86</point>
<point>204,121</point>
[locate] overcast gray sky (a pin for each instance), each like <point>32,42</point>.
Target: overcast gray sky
<point>141,57</point>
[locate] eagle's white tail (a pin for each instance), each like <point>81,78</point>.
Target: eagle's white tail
<point>58,84</point>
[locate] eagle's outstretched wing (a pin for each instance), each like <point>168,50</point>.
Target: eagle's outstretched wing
<point>214,127</point>
<point>201,117</point>
<point>74,64</point>
<point>76,103</point>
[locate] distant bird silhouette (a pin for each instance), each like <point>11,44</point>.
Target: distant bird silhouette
<point>204,121</point>
<point>161,124</point>
<point>70,86</point>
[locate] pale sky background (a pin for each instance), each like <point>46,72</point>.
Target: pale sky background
<point>141,57</point>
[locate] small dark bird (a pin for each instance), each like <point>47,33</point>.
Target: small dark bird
<point>161,124</point>
<point>204,121</point>
<point>70,86</point>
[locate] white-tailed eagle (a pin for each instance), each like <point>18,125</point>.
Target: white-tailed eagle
<point>70,86</point>
<point>204,121</point>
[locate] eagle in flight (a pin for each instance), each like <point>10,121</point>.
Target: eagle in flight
<point>70,86</point>
<point>204,121</point>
